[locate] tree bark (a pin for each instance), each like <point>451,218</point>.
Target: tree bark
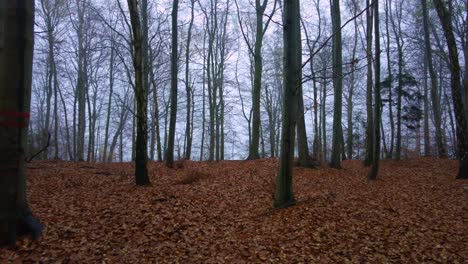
<point>173,96</point>
<point>390,77</point>
<point>188,88</point>
<point>16,54</point>
<point>141,146</point>
<point>369,135</point>
<point>284,196</point>
<point>337,86</point>
<point>434,91</point>
<point>377,110</point>
<point>462,137</point>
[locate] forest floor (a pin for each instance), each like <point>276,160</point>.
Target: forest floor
<point>221,212</point>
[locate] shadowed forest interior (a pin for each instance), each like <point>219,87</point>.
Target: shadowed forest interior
<point>233,131</point>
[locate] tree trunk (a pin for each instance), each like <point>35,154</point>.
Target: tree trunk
<point>427,140</point>
<point>462,137</point>
<point>257,84</point>
<point>377,110</point>
<point>369,134</point>
<point>390,77</point>
<point>141,146</point>
<point>109,102</point>
<point>337,86</point>
<point>203,98</point>
<point>284,196</point>
<point>188,88</point>
<point>173,96</point>
<point>349,140</point>
<point>434,92</point>
<point>16,54</point>
<point>302,144</point>
<point>80,85</point>
<point>399,41</point>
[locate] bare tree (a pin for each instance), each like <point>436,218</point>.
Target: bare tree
<point>141,155</point>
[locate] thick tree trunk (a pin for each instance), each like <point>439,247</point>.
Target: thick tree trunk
<point>16,53</point>
<point>141,146</point>
<point>462,133</point>
<point>284,196</point>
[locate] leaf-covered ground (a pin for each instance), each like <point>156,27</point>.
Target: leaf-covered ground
<point>221,212</point>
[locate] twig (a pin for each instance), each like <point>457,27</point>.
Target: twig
<point>334,33</point>
<point>40,151</point>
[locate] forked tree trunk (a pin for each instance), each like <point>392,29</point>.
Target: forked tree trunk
<point>435,97</point>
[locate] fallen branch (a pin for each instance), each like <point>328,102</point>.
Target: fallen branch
<point>40,151</point>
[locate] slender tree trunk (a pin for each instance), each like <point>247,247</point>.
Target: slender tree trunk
<point>434,92</point>
<point>377,109</point>
<point>324,119</point>
<point>188,88</point>
<point>337,86</point>
<point>202,144</point>
<point>390,77</point>
<point>109,102</point>
<point>69,143</point>
<point>81,86</point>
<point>427,141</point>
<point>397,33</point>
<point>118,133</point>
<point>173,115</point>
<point>349,140</point>
<point>369,128</point>
<point>134,120</point>
<point>303,146</point>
